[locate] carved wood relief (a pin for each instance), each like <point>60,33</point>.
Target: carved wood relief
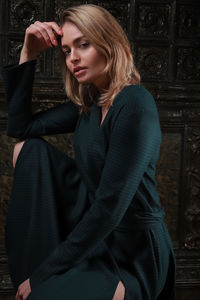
<point>164,36</point>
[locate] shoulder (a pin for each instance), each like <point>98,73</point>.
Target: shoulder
<point>136,106</point>
<point>136,97</point>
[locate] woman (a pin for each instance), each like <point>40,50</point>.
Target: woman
<point>89,228</point>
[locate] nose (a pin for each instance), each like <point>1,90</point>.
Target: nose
<point>74,56</point>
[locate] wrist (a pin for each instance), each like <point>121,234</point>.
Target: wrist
<point>26,56</point>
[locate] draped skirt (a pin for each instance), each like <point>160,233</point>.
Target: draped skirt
<point>48,199</point>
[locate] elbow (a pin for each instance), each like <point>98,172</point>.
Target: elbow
<point>17,128</point>
<point>14,133</point>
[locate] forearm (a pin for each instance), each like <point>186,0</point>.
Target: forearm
<point>18,80</point>
<point>26,56</point>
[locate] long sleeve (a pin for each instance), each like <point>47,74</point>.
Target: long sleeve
<point>18,81</point>
<point>134,139</point>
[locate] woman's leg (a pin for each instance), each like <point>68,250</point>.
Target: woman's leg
<point>16,151</point>
<point>43,205</point>
<point>120,291</point>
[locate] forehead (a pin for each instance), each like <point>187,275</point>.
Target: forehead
<point>70,27</point>
<point>70,33</point>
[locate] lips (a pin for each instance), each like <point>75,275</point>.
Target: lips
<point>77,69</point>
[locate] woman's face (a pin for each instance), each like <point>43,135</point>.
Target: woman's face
<point>80,53</point>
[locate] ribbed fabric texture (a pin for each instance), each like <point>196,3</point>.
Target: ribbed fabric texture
<point>116,160</point>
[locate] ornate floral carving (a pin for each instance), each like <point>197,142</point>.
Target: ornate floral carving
<point>194,141</point>
<point>5,282</point>
<point>24,13</point>
<point>152,62</point>
<point>121,11</point>
<point>188,64</point>
<point>192,239</point>
<point>188,21</point>
<point>153,19</point>
<point>61,5</point>
<point>194,180</point>
<point>192,213</point>
<point>14,49</point>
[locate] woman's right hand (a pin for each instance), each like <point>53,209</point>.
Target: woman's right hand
<point>39,37</point>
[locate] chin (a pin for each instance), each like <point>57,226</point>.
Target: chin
<point>82,80</point>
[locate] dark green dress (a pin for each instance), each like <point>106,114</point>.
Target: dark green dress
<point>77,227</point>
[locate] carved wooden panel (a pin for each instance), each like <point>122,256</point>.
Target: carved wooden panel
<point>164,36</point>
<point>168,177</point>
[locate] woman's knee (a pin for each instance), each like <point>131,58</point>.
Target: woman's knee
<point>35,143</point>
<point>16,151</point>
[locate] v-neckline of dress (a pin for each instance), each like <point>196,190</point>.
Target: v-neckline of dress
<point>99,114</point>
<point>98,108</point>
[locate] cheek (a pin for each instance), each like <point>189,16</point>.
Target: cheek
<point>98,61</point>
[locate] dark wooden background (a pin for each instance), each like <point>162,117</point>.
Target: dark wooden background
<point>165,39</point>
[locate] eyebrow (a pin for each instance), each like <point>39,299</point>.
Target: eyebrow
<point>74,41</point>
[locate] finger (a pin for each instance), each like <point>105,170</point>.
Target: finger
<point>46,29</point>
<point>55,27</point>
<point>17,296</point>
<point>53,35</point>
<point>32,29</point>
<point>43,33</point>
<point>26,294</point>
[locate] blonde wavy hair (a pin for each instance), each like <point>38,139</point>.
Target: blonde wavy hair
<point>108,37</point>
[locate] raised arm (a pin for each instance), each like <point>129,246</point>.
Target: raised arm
<point>18,81</point>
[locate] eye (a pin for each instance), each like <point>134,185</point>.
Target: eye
<point>66,52</point>
<point>83,45</point>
